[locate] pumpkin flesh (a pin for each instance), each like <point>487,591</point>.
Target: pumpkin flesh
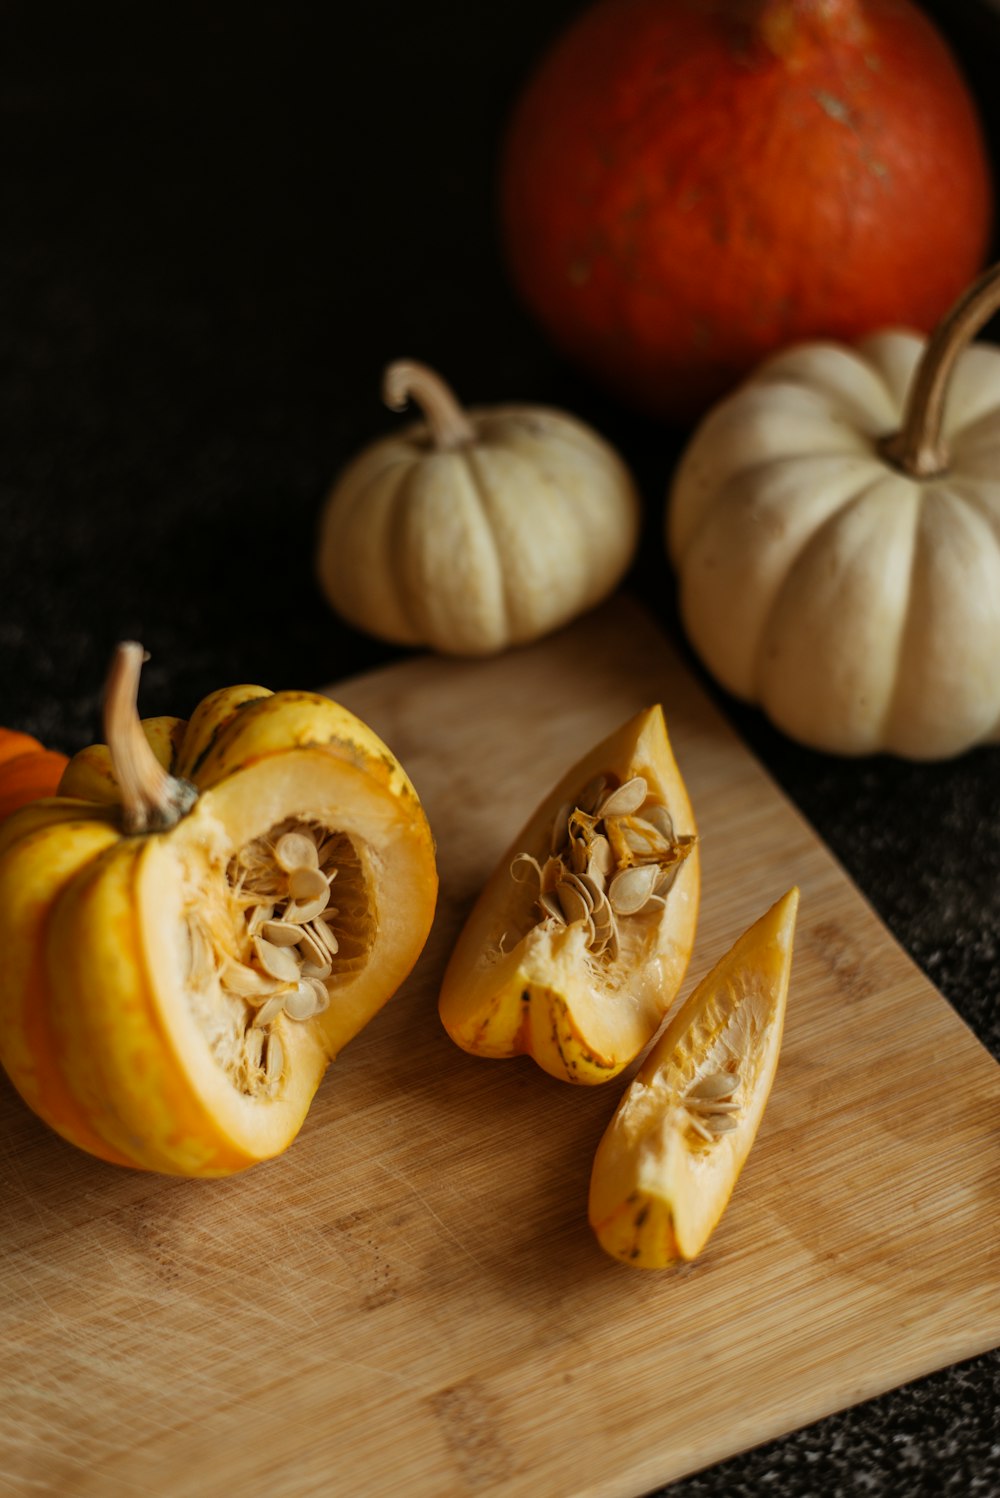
<point>662,1175</point>
<point>520,982</point>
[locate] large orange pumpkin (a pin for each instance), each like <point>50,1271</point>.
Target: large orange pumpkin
<point>688,186</point>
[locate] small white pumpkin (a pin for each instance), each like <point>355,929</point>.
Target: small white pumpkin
<point>835,524</point>
<point>473,531</point>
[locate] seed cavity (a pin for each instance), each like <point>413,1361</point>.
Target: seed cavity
<point>612,854</point>
<point>268,948</point>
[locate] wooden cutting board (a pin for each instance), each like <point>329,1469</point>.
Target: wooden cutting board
<point>410,1301</point>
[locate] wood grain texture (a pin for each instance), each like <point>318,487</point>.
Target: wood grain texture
<point>410,1300</point>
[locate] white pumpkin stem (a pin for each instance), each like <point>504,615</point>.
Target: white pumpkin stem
<point>152,799</point>
<point>919,448</point>
<point>407,380</point>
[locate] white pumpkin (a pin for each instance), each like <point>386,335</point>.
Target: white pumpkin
<point>473,531</point>
<point>835,525</point>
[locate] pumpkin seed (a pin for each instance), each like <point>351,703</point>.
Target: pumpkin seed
<point>321,992</point>
<point>275,1062</point>
<point>626,799</point>
<point>318,970</point>
<point>718,1084</point>
<point>307,884</point>
<point>602,859</point>
<point>630,889</point>
<point>301,912</point>
<point>579,854</point>
<point>575,906</point>
<point>280,962</point>
<point>245,981</point>
<point>301,1003</point>
<point>604,923</point>
<point>593,888</point>
<point>659,817</point>
<point>551,906</point>
<point>281,933</point>
<point>643,838</point>
<point>258,915</point>
<point>296,850</point>
<point>325,936</point>
<point>254,1043</point>
<point>309,945</point>
<point>269,1011</point>
<point>526,867</point>
<point>559,827</point>
<point>591,794</point>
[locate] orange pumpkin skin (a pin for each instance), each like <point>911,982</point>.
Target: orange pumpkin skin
<point>27,770</point>
<point>686,187</point>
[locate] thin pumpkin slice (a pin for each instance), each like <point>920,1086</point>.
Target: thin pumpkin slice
<point>202,919</point>
<point>579,941</point>
<point>671,1155</point>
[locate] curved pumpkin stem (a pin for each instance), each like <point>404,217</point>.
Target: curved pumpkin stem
<point>152,799</point>
<point>919,448</point>
<point>407,380</point>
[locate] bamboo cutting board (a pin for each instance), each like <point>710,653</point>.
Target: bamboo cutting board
<point>410,1301</point>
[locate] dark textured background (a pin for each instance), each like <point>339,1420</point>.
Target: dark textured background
<point>216,229</point>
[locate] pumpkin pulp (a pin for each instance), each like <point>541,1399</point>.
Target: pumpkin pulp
<point>670,1158</point>
<point>537,972</point>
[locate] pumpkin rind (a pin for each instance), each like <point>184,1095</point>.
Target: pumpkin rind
<point>34,871</point>
<point>99,1030</point>
<point>859,606</point>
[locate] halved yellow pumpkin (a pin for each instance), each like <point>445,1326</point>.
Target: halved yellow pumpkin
<point>202,919</point>
<point>578,943</point>
<point>670,1157</point>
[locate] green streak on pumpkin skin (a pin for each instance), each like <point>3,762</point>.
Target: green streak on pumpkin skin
<point>219,730</point>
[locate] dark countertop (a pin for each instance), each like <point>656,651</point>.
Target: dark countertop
<point>217,230</point>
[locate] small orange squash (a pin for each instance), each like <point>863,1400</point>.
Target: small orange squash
<point>201,919</point>
<point>27,770</point>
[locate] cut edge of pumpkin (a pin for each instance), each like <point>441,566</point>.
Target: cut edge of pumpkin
<point>658,1189</point>
<point>399,864</point>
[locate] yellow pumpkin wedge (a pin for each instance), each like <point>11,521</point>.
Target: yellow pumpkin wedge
<point>201,919</point>
<point>579,941</point>
<point>671,1155</point>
